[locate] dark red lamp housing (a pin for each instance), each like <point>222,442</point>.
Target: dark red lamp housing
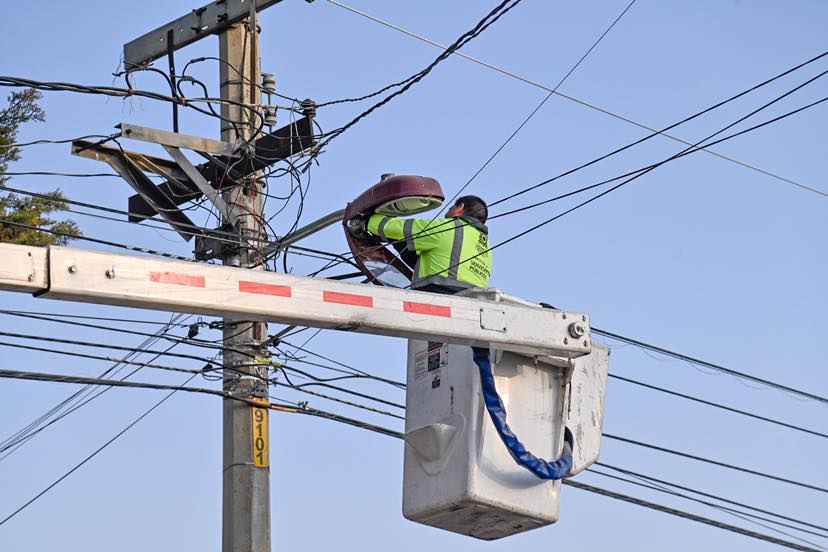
<point>395,196</point>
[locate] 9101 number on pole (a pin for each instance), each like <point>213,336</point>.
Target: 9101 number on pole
<point>261,436</point>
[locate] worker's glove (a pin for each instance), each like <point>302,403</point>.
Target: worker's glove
<point>358,226</point>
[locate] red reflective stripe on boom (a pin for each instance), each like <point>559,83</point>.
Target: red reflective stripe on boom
<point>348,299</point>
<point>425,308</point>
<point>265,289</point>
<point>177,278</point>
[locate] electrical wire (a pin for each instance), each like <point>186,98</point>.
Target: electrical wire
<point>180,340</point>
<point>501,9</point>
<point>714,462</point>
<point>746,516</point>
<point>712,366</point>
<point>371,427</point>
<point>22,436</point>
<point>93,454</point>
<point>100,345</point>
<point>633,175</point>
<point>717,405</point>
<point>349,369</point>
<point>66,141</point>
<point>647,504</point>
<point>12,81</point>
<point>111,359</point>
<point>669,127</point>
<point>541,104</point>
<point>649,169</point>
<point>215,234</point>
<point>100,318</point>
<point>709,495</point>
<point>686,515</point>
<point>47,173</point>
<point>577,100</point>
<point>6,222</point>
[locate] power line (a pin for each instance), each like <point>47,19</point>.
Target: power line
<point>49,173</point>
<point>33,430</point>
<point>746,516</point>
<point>633,175</point>
<point>173,389</point>
<point>100,345</point>
<point>101,318</point>
<point>651,505</point>
<point>647,170</point>
<point>686,515</point>
<point>82,380</point>
<point>45,141</point>
<point>501,9</point>
<point>117,92</point>
<point>577,100</point>
<point>94,453</point>
<point>101,357</point>
<point>669,127</point>
<point>717,405</point>
<point>709,495</point>
<point>190,340</point>
<point>712,366</point>
<point>357,423</point>
<point>6,222</point>
<point>82,397</point>
<point>543,102</point>
<point>714,462</point>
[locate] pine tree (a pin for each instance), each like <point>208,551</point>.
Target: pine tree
<point>32,211</point>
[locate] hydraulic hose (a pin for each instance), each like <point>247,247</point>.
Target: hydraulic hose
<point>543,469</point>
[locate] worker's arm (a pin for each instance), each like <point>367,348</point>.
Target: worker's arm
<point>425,234</point>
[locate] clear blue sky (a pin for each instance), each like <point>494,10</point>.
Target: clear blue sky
<point>702,256</point>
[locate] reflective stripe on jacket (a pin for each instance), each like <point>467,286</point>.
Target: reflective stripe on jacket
<point>453,252</point>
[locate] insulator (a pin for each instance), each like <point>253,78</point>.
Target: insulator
<point>270,116</point>
<point>269,83</point>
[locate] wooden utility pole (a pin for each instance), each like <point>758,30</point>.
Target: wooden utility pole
<point>246,466</point>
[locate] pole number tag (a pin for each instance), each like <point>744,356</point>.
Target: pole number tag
<point>261,452</point>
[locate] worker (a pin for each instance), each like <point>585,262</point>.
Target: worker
<point>452,254</point>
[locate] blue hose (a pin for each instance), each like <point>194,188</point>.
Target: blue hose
<point>541,468</point>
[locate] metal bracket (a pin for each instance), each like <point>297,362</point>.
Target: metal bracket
<point>177,140</point>
<point>202,183</point>
<point>161,202</point>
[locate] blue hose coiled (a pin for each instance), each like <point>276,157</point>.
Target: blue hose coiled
<point>557,469</point>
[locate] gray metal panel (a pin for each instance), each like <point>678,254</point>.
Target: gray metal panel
<point>588,389</point>
<point>210,19</point>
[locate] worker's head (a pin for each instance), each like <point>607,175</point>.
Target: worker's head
<point>469,206</point>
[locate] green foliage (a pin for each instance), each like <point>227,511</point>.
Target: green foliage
<point>32,211</point>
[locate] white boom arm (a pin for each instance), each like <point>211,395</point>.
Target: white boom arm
<point>143,282</point>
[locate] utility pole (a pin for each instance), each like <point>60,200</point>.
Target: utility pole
<point>246,466</point>
<point>232,180</point>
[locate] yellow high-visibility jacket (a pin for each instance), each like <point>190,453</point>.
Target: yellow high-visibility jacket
<point>453,252</point>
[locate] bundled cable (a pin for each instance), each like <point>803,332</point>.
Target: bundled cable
<point>543,469</point>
